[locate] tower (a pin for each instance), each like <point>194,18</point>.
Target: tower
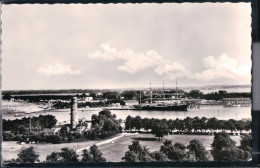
<point>74,113</point>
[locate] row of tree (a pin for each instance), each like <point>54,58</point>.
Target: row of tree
<point>189,125</point>
<point>66,155</point>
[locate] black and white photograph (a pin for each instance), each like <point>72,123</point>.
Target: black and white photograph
<point>147,82</point>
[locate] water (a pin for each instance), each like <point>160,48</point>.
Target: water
<point>217,111</point>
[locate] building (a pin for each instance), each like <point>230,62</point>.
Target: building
<point>88,99</point>
<point>131,102</point>
<point>234,101</point>
<point>191,101</point>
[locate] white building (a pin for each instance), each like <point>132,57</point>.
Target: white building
<point>88,99</point>
<point>131,102</point>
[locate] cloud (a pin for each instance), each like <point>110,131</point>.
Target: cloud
<point>136,61</point>
<point>222,67</point>
<point>57,69</point>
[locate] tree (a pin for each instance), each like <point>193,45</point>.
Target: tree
<point>179,124</point>
<point>86,157</point>
<point>248,125</point>
<point>240,126</point>
<point>246,141</point>
<point>171,125</point>
<point>47,121</point>
<point>96,154</point>
<point>104,125</point>
<point>137,123</point>
<point>7,97</point>
<point>55,139</point>
<point>64,130</point>
<point>160,129</point>
<point>196,124</point>
<point>146,124</point>
<point>174,152</point>
<point>246,145</point>
<point>212,123</point>
<point>231,124</point>
<point>195,93</point>
<point>128,123</point>
<point>68,155</point>
<point>158,156</point>
<point>198,149</point>
<point>221,141</point>
<point>188,124</point>
<point>54,157</point>
<point>233,154</point>
<point>137,153</point>
<point>28,155</point>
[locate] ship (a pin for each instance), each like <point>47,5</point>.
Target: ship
<point>162,105</point>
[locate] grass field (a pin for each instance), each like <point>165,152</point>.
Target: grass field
<point>113,151</point>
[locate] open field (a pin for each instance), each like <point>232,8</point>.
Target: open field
<point>113,150</point>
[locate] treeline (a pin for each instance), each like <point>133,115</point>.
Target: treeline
<point>188,125</point>
<point>50,91</point>
<point>21,126</point>
<point>126,95</point>
<point>19,129</point>
<point>216,95</point>
<point>223,148</point>
<point>103,125</point>
<point>66,155</point>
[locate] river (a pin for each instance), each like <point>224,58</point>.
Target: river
<point>208,111</point>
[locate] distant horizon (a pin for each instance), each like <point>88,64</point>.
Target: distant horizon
<point>136,88</point>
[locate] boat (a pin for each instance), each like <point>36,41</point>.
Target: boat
<point>232,105</point>
<point>19,114</point>
<point>163,105</point>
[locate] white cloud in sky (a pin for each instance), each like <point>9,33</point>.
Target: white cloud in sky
<point>215,68</point>
<point>57,69</point>
<point>136,61</point>
<point>222,67</point>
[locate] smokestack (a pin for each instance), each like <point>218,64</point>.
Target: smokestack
<point>74,113</point>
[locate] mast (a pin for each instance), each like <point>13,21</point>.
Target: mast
<point>151,94</point>
<point>177,91</point>
<point>30,127</point>
<point>163,92</point>
<point>140,97</point>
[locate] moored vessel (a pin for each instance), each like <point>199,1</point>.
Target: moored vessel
<point>162,105</point>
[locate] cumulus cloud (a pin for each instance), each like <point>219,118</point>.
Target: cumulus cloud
<point>57,69</point>
<point>222,67</point>
<point>136,61</point>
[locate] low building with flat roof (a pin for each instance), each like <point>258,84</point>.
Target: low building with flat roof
<point>240,100</point>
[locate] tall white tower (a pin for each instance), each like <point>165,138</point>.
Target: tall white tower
<point>74,113</point>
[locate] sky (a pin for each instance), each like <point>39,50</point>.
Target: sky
<point>98,46</point>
